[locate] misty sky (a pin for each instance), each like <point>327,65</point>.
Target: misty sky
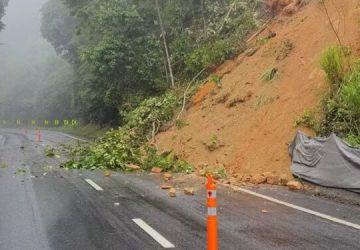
<point>25,56</point>
<point>22,21</point>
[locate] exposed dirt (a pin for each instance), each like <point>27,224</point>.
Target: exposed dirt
<point>254,133</point>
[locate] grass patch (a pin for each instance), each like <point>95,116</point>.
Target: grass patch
<point>264,100</point>
<point>3,165</point>
<point>332,61</point>
<point>280,50</point>
<point>269,74</point>
<point>307,119</point>
<point>180,123</point>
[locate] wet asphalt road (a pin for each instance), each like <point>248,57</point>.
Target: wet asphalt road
<point>42,207</point>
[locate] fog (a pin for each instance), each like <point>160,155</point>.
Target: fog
<point>26,61</point>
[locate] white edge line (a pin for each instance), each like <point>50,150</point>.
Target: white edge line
<point>305,210</point>
<point>73,137</point>
<point>155,235</point>
<point>94,185</point>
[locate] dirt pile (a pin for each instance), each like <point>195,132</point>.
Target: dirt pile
<point>245,121</point>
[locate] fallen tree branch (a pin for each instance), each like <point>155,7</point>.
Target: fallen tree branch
<point>187,89</point>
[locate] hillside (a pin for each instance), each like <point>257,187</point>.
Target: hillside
<point>245,123</point>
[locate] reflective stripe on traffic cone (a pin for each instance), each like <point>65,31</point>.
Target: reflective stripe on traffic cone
<point>212,234</point>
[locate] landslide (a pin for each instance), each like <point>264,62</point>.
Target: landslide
<point>246,120</point>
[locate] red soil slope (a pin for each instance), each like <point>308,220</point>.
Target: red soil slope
<point>252,136</point>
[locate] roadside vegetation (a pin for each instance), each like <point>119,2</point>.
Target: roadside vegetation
<point>131,143</point>
<point>341,108</point>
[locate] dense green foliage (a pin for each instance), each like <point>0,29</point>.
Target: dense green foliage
<point>342,108</point>
<point>118,55</point>
<point>119,147</point>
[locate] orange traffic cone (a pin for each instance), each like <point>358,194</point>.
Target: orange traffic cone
<point>212,231</point>
<point>38,136</point>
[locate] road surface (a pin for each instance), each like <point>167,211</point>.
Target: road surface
<point>42,207</point>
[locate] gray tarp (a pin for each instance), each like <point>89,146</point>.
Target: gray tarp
<point>329,162</point>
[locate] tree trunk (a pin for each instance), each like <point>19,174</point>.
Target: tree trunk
<point>165,44</point>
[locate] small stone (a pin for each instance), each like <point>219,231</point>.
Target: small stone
<point>189,191</point>
<point>203,165</point>
<point>267,174</point>
<point>107,173</point>
<point>273,180</point>
<point>156,170</point>
<point>172,192</point>
<point>116,204</point>
<point>264,211</point>
<point>166,187</point>
<point>294,185</point>
<point>283,180</point>
<point>202,172</point>
<point>167,176</point>
<point>227,181</point>
<point>258,179</point>
<point>246,178</point>
<point>132,167</point>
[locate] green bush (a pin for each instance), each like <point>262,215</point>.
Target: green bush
<point>210,53</point>
<point>117,148</point>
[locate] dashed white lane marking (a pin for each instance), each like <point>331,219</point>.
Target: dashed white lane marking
<point>155,235</point>
<point>94,185</point>
<point>305,210</point>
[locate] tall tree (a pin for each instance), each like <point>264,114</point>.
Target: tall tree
<point>163,35</point>
<point>3,4</point>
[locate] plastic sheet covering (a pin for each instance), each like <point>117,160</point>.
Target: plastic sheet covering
<point>329,162</point>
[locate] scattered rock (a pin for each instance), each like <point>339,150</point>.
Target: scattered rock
<point>172,192</point>
<point>294,185</point>
<point>22,147</point>
<point>223,98</point>
<point>107,173</point>
<point>203,165</point>
<point>264,211</point>
<point>166,187</point>
<point>273,180</point>
<point>246,178</point>
<point>189,191</point>
<point>167,176</point>
<point>258,179</point>
<point>202,172</point>
<point>116,204</point>
<point>227,181</point>
<point>283,180</point>
<point>267,174</point>
<point>290,9</point>
<point>133,167</point>
<point>235,101</point>
<point>156,170</point>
